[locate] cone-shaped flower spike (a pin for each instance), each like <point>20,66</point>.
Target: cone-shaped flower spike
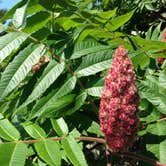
<point>119,103</point>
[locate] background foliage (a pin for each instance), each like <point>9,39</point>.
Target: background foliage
<point>58,99</point>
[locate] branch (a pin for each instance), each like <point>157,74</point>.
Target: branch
<point>93,139</point>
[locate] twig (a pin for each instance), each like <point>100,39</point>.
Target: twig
<point>142,158</point>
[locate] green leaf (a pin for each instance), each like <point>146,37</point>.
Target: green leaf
<point>94,63</point>
<point>162,79</point>
<point>79,101</point>
<point>49,151</point>
<point>33,7</point>
<point>7,130</point>
<point>149,45</point>
<point>36,22</point>
<point>10,42</point>
<point>95,91</point>
<point>60,103</point>
<point>107,14</point>
<point>141,59</point>
<point>3,28</point>
<point>156,32</point>
<point>149,33</point>
<point>54,105</point>
<point>155,141</point>
<point>95,129</point>
<point>47,101</point>
<point>74,152</point>
<point>151,90</point>
<point>117,22</point>
<point>87,47</point>
<point>18,69</point>
<point>34,130</point>
<point>67,87</point>
<point>12,154</point>
<point>51,73</point>
<point>20,15</point>
<point>60,126</point>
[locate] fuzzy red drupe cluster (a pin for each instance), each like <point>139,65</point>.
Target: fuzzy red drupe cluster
<point>119,103</point>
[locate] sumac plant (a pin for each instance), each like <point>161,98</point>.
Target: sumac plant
<point>55,58</point>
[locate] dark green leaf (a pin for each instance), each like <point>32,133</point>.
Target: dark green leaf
<point>36,22</point>
<point>51,73</point>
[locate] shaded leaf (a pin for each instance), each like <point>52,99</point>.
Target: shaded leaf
<point>36,22</point>
<point>156,143</point>
<point>18,69</point>
<point>51,73</point>
<point>79,101</point>
<point>47,101</point>
<point>53,106</point>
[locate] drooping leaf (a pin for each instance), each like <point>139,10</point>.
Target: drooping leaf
<point>50,74</point>
<point>155,140</point>
<point>19,17</point>
<point>117,22</point>
<point>107,14</point>
<point>53,107</point>
<point>73,151</point>
<point>17,70</point>
<point>12,154</point>
<point>162,78</point>
<point>47,101</point>
<point>93,63</point>
<point>95,91</point>
<point>36,22</point>
<point>60,126</point>
<point>95,129</point>
<point>33,7</point>
<point>156,33</point>
<point>151,91</point>
<point>34,130</point>
<point>87,47</point>
<point>3,28</point>
<point>7,130</point>
<point>10,42</point>
<point>49,151</point>
<point>79,101</point>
